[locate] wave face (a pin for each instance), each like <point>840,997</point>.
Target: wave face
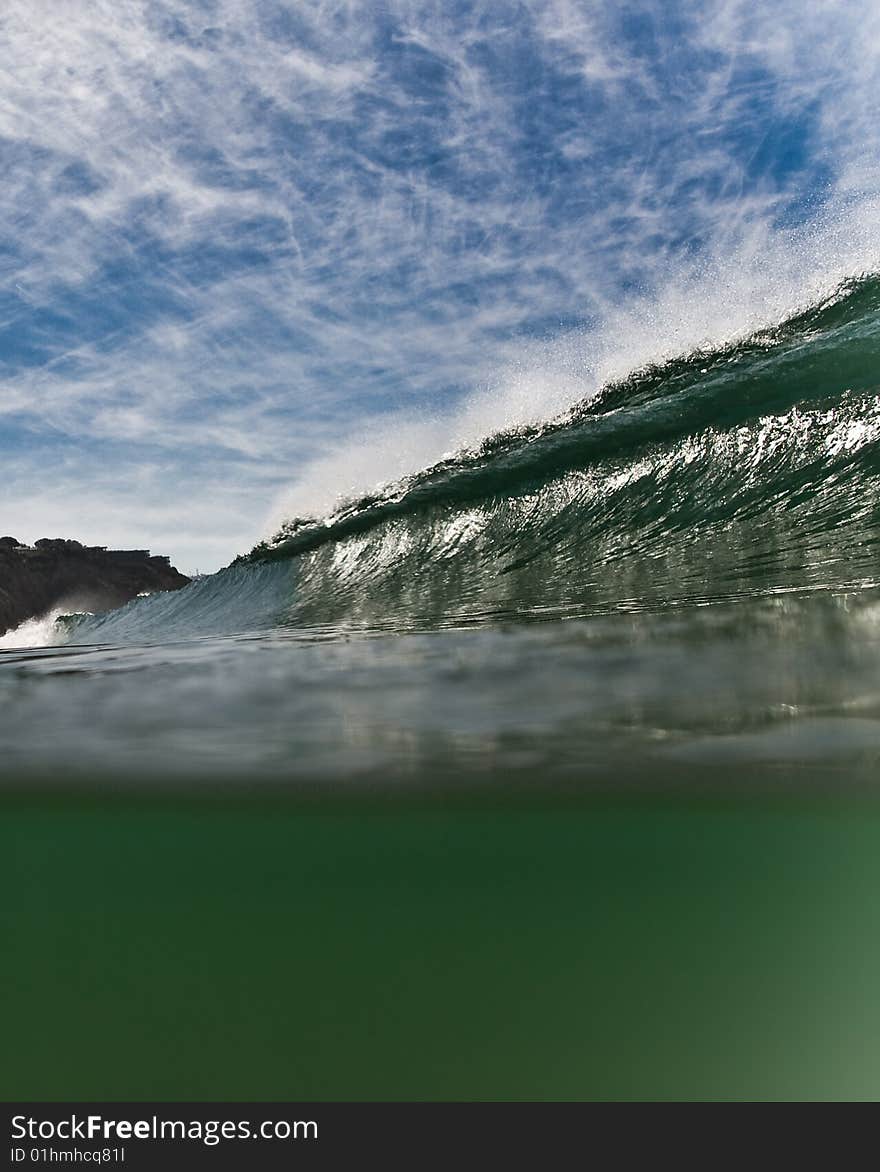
<point>742,472</point>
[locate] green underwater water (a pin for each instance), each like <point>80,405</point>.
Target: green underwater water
<point>515,946</point>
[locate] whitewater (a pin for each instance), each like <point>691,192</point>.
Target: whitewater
<point>672,579</point>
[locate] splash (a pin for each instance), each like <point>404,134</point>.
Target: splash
<point>744,289</point>
<point>45,631</point>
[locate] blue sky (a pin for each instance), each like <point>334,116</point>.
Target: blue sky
<point>256,255</point>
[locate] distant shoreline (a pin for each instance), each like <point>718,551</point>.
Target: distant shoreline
<point>60,572</point>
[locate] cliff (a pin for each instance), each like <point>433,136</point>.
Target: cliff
<point>57,573</point>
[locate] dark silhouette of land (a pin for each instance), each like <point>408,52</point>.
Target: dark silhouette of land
<point>55,572</point>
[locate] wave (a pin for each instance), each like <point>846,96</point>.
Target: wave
<point>743,471</point>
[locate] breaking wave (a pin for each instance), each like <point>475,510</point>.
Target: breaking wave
<point>740,472</point>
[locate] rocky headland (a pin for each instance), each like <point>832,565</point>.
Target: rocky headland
<point>55,572</point>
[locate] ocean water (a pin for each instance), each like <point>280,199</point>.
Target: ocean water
<point>546,773</point>
<point>679,575</point>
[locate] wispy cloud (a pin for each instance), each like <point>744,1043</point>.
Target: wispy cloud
<point>244,246</point>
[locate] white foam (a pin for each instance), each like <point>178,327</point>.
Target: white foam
<point>38,632</point>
